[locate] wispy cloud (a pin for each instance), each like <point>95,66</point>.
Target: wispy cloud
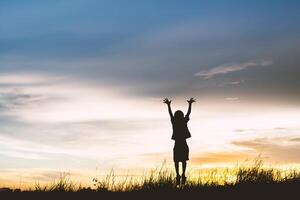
<point>15,79</point>
<point>16,98</point>
<point>277,149</point>
<point>55,101</point>
<point>232,98</point>
<point>236,82</point>
<point>223,157</point>
<point>229,68</point>
<point>296,139</point>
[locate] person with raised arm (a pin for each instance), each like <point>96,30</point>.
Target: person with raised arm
<point>180,134</point>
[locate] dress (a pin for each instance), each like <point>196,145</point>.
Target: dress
<point>180,151</point>
<point>180,134</point>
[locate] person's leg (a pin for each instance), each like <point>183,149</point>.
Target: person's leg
<point>183,168</point>
<point>177,172</point>
<point>183,172</point>
<point>177,168</point>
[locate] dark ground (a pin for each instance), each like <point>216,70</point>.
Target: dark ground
<point>265,191</point>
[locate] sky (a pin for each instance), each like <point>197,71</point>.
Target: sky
<point>82,83</point>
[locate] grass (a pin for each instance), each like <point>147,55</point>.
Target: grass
<point>163,179</point>
<point>241,180</point>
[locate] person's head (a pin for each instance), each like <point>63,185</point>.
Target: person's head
<point>178,115</point>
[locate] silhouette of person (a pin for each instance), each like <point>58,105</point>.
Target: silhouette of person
<point>180,134</point>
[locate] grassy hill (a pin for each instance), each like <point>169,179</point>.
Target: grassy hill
<point>255,182</point>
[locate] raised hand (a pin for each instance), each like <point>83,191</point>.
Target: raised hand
<point>167,101</point>
<point>192,100</point>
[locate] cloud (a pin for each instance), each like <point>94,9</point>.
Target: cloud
<point>24,155</point>
<point>68,100</point>
<point>18,90</point>
<point>232,98</point>
<point>274,149</point>
<point>223,157</point>
<point>296,139</point>
<point>16,98</point>
<point>281,150</point>
<point>240,130</point>
<point>229,68</point>
<point>25,177</point>
<point>235,82</point>
<point>21,79</point>
<point>57,120</point>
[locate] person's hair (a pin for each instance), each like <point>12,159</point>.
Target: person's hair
<point>178,115</point>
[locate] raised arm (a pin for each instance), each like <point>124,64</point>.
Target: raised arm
<point>191,101</point>
<point>168,102</point>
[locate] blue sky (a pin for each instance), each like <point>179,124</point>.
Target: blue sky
<point>81,82</point>
<point>166,38</point>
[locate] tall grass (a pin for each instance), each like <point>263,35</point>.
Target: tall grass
<point>256,174</point>
<point>63,184</point>
<point>162,179</point>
